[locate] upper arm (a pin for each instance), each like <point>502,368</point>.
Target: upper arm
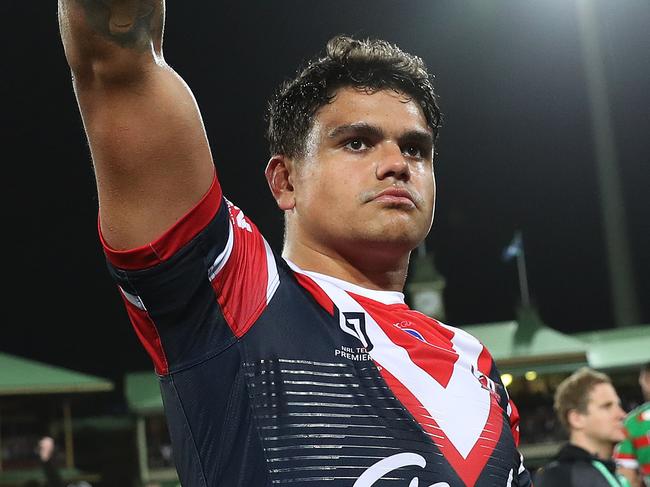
<point>150,153</point>
<point>151,157</point>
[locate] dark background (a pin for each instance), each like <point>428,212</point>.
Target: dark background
<point>516,152</point>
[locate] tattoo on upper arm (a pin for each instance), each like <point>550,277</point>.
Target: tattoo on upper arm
<point>129,23</point>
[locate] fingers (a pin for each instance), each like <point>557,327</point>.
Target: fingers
<point>124,14</point>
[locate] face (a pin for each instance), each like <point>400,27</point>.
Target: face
<point>603,421</point>
<point>366,182</point>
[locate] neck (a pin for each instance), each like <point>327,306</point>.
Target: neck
<point>601,449</point>
<point>363,268</point>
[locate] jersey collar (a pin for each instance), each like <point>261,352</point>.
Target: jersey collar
<point>385,297</point>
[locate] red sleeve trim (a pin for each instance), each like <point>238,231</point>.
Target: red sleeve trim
<point>148,335</point>
<point>242,284</point>
<point>165,246</point>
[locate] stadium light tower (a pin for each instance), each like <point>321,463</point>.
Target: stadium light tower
<point>623,291</point>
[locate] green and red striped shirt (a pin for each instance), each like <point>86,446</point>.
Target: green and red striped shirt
<point>634,452</point>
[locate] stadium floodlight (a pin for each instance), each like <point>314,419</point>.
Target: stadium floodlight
<point>530,376</point>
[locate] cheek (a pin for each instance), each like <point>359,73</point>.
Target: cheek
<point>428,190</point>
<point>424,174</point>
<point>310,185</point>
<point>606,419</point>
<point>329,196</point>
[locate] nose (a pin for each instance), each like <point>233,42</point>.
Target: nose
<point>392,163</point>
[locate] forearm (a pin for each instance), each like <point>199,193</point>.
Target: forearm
<point>111,38</point>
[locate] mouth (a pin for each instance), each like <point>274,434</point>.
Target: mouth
<point>120,27</point>
<point>396,197</point>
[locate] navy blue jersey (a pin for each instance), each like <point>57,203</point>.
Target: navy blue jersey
<point>271,375</point>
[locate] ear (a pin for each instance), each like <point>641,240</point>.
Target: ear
<point>575,419</point>
<point>279,176</point>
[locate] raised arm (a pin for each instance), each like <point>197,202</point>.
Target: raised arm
<point>151,157</point>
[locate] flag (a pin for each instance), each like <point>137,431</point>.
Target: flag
<point>514,249</point>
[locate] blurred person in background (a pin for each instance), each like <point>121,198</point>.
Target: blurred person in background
<point>632,455</point>
<point>45,450</point>
<point>588,406</point>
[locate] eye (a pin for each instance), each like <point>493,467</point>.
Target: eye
<point>356,145</point>
<point>413,151</point>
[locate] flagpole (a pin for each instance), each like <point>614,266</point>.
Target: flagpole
<point>521,270</point>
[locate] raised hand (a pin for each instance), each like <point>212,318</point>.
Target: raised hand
<point>130,23</point>
<point>124,15</point>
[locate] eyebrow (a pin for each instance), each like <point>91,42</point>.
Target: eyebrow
<point>417,137</point>
<point>610,403</point>
<point>355,128</point>
<point>362,128</point>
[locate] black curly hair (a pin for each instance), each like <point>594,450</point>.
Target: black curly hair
<point>368,64</point>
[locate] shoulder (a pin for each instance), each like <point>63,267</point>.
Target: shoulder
<point>640,414</point>
<point>553,474</point>
<point>644,411</point>
<point>459,331</point>
<point>463,335</point>
<point>467,342</point>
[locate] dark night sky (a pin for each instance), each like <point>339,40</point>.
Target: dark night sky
<point>515,152</point>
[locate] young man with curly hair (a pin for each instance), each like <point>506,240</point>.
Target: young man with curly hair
<point>305,368</point>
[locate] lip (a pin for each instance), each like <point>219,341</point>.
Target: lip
<point>396,196</point>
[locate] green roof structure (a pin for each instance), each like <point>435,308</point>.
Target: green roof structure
<point>142,392</point>
<point>19,376</point>
<point>24,377</point>
<point>528,344</point>
<point>525,344</point>
<point>625,347</point>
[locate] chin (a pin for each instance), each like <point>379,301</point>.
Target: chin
<point>389,243</point>
<point>408,233</point>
